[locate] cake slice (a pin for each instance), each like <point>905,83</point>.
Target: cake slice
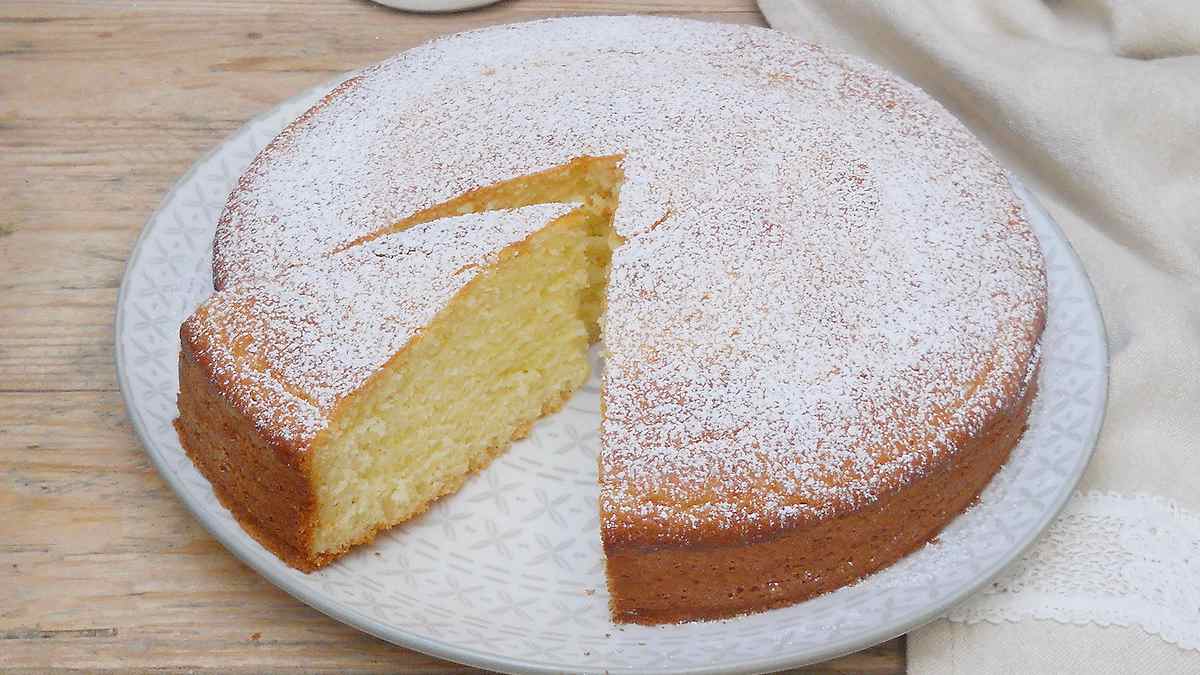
<point>344,396</point>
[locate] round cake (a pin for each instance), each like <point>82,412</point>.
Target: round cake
<point>819,303</point>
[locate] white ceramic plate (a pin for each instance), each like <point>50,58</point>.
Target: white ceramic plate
<point>508,574</point>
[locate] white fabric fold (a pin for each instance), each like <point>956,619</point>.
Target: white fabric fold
<point>1096,105</point>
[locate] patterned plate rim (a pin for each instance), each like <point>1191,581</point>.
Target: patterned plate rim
<point>482,659</point>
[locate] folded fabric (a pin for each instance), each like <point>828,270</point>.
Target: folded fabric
<point>1095,104</point>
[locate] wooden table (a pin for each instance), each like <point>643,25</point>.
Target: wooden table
<point>103,105</point>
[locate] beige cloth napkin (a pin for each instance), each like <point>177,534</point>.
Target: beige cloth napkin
<point>1096,105</point>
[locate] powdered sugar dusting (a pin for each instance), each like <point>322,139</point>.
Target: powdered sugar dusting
<point>844,287</point>
<point>298,343</point>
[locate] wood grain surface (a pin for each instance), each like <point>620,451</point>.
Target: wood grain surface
<point>103,105</point>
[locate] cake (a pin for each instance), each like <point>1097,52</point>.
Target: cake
<point>819,302</point>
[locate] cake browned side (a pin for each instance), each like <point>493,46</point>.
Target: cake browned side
<point>262,480</point>
<point>667,584</point>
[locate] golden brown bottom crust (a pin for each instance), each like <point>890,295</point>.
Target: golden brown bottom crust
<point>274,501</point>
<point>669,585</point>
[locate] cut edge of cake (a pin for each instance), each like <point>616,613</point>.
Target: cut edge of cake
<point>291,486</point>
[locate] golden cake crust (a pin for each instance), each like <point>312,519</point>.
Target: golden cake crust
<point>264,484</point>
<point>725,575</point>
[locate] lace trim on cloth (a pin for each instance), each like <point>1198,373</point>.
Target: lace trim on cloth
<point>1108,559</point>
